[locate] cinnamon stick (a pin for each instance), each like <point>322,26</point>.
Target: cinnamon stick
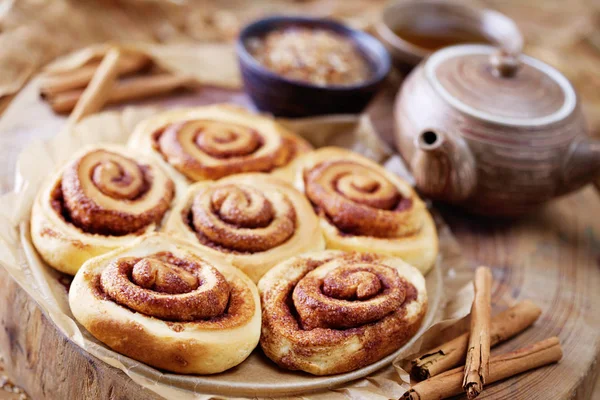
<point>505,325</point>
<point>53,83</point>
<point>95,95</point>
<point>504,366</point>
<point>478,350</point>
<point>130,89</point>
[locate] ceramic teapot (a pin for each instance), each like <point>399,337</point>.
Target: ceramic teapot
<point>495,133</point>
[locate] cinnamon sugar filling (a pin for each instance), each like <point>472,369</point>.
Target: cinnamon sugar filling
<point>58,205</point>
<point>358,200</point>
<point>349,296</point>
<point>131,184</point>
<point>166,287</point>
<point>241,219</point>
<point>358,292</point>
<point>173,289</point>
<point>213,149</point>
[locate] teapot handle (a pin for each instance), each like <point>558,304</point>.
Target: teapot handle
<point>505,61</point>
<point>581,164</point>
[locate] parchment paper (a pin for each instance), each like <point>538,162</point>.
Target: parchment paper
<point>48,287</point>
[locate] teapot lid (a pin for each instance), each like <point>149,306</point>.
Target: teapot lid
<point>481,82</point>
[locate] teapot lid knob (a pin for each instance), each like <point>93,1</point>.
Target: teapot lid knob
<point>505,64</point>
<point>505,61</point>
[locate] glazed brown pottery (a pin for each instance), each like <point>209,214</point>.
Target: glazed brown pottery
<point>495,133</point>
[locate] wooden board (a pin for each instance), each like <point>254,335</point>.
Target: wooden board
<point>551,256</point>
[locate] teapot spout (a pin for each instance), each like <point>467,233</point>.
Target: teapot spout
<point>443,166</point>
<point>581,165</point>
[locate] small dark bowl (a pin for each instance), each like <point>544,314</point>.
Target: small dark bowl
<point>285,97</point>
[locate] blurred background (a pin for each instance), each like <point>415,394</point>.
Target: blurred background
<point>564,33</point>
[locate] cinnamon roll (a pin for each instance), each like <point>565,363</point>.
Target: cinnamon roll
<point>331,312</point>
<point>208,143</point>
<point>104,198</point>
<point>365,208</point>
<point>253,220</point>
<point>167,304</point>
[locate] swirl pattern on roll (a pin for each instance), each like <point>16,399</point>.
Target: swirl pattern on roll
<point>241,218</point>
<point>364,207</point>
<point>331,312</point>
<point>167,287</point>
<point>254,219</point>
<point>109,194</point>
<point>102,199</point>
<point>171,288</point>
<point>360,200</point>
<point>162,302</point>
<point>208,143</point>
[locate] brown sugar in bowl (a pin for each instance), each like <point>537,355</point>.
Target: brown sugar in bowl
<point>284,96</point>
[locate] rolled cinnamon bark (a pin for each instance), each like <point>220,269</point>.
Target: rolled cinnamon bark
<point>505,325</point>
<point>130,89</point>
<point>449,383</point>
<point>95,95</point>
<point>478,350</point>
<point>53,84</point>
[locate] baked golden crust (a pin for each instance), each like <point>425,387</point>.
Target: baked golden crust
<point>254,220</point>
<point>207,143</point>
<point>365,208</point>
<point>103,198</point>
<point>163,302</point>
<point>331,312</point>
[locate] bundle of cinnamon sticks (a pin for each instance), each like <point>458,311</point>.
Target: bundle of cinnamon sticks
<point>435,368</point>
<point>118,77</point>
